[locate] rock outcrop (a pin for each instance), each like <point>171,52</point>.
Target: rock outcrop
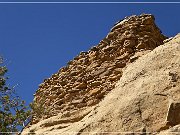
<point>124,84</point>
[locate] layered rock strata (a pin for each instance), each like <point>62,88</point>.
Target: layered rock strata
<point>91,75</point>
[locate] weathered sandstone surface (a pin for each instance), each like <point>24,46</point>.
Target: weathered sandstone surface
<point>129,82</point>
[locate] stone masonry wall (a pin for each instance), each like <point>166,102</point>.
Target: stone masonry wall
<point>91,75</point>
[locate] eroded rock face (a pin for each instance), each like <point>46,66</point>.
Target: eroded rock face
<point>91,75</point>
<point>144,101</point>
<point>71,99</point>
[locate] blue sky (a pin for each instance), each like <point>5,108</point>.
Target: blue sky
<point>38,39</point>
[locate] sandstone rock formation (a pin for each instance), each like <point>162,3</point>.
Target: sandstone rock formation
<point>91,75</point>
<point>120,85</point>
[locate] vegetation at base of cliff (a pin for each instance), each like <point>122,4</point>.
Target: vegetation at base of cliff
<point>13,112</point>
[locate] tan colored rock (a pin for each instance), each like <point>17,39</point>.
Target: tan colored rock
<point>106,73</point>
<point>52,97</point>
<point>115,77</point>
<point>96,83</point>
<point>101,67</point>
<point>94,92</point>
<point>140,102</point>
<point>82,86</point>
<point>77,101</point>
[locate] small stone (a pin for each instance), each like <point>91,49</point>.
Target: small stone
<point>77,101</point>
<point>61,95</point>
<point>52,97</point>
<point>82,86</point>
<point>73,90</point>
<point>96,83</point>
<point>56,86</point>
<point>113,78</point>
<point>133,58</point>
<point>73,73</point>
<point>94,92</point>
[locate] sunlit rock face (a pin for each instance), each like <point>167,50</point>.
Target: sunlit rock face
<point>125,83</point>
